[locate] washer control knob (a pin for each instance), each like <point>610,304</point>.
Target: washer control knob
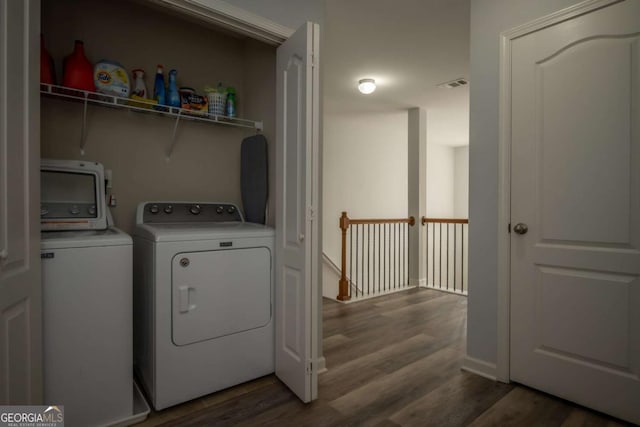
<point>74,210</point>
<point>154,209</point>
<point>220,209</point>
<point>92,210</point>
<point>195,209</point>
<point>168,209</point>
<point>231,209</point>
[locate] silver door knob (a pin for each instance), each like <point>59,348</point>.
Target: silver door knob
<point>521,228</point>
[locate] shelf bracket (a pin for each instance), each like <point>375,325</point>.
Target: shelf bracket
<point>173,137</point>
<point>83,128</point>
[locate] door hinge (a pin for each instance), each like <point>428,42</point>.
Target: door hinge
<point>311,213</point>
<point>309,368</point>
<point>509,228</point>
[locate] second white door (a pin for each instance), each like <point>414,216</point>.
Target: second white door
<point>575,214</point>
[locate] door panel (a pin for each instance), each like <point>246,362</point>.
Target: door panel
<point>16,333</point>
<point>296,229</point>
<point>575,276</point>
<point>294,339</point>
<point>584,118</point>
<point>599,313</point>
<point>295,152</point>
<point>20,287</point>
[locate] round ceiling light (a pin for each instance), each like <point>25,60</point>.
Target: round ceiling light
<point>367,86</point>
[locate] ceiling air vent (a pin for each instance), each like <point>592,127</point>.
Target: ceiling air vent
<point>454,83</point>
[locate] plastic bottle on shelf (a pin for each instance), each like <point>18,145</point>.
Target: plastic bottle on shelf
<point>47,70</point>
<point>139,87</point>
<point>174,96</point>
<point>78,71</point>
<point>158,87</point>
<point>231,102</point>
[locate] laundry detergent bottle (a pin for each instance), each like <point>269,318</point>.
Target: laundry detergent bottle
<point>47,70</point>
<point>78,71</point>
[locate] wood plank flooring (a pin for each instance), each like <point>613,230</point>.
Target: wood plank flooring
<point>393,361</point>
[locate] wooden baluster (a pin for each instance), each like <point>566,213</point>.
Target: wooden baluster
<point>343,284</point>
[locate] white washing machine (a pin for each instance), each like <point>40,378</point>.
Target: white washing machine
<point>87,318</point>
<point>203,299</point>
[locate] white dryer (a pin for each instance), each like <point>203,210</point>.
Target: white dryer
<point>203,299</point>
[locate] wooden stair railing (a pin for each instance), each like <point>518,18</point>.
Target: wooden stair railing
<point>344,293</point>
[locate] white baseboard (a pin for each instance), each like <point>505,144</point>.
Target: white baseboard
<point>422,283</point>
<point>435,288</point>
<point>321,364</point>
<point>382,294</point>
<point>480,367</point>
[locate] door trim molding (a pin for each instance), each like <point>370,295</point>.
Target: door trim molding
<point>231,17</point>
<point>479,367</point>
<point>502,372</point>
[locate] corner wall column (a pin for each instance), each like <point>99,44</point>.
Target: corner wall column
<point>417,194</point>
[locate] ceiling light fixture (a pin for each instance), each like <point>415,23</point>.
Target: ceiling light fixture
<point>366,86</point>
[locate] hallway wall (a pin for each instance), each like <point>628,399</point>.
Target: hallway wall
<point>488,19</point>
<point>364,170</point>
<point>440,180</point>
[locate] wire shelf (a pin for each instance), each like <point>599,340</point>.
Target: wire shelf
<point>141,106</point>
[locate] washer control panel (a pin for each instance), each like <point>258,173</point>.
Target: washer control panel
<point>163,212</point>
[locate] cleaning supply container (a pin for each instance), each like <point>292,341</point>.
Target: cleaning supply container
<point>111,78</point>
<point>173,99</point>
<point>231,102</point>
<point>158,87</point>
<point>78,71</point>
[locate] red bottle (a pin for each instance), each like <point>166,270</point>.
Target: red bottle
<point>78,71</point>
<point>47,72</point>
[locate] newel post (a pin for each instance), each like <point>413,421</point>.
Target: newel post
<point>343,284</point>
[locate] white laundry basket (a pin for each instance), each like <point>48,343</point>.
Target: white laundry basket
<point>217,103</point>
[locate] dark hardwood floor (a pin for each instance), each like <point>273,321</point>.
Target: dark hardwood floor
<point>392,361</point>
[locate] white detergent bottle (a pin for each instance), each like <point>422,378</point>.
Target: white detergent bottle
<point>139,87</point>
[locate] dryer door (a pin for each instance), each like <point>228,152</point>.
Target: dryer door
<point>218,293</point>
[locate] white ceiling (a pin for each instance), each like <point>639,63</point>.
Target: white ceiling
<point>408,46</point>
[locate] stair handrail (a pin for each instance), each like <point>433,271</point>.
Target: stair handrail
<point>445,220</point>
<point>345,222</point>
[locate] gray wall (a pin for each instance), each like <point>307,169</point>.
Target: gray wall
<point>205,165</point>
<point>488,19</point>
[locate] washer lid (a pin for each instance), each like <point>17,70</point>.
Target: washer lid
<point>83,238</point>
<point>178,232</point>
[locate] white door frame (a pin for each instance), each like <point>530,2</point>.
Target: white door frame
<point>504,168</point>
<point>231,17</point>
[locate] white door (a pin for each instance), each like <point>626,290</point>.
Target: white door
<point>296,201</point>
<point>20,288</point>
<point>575,183</point>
